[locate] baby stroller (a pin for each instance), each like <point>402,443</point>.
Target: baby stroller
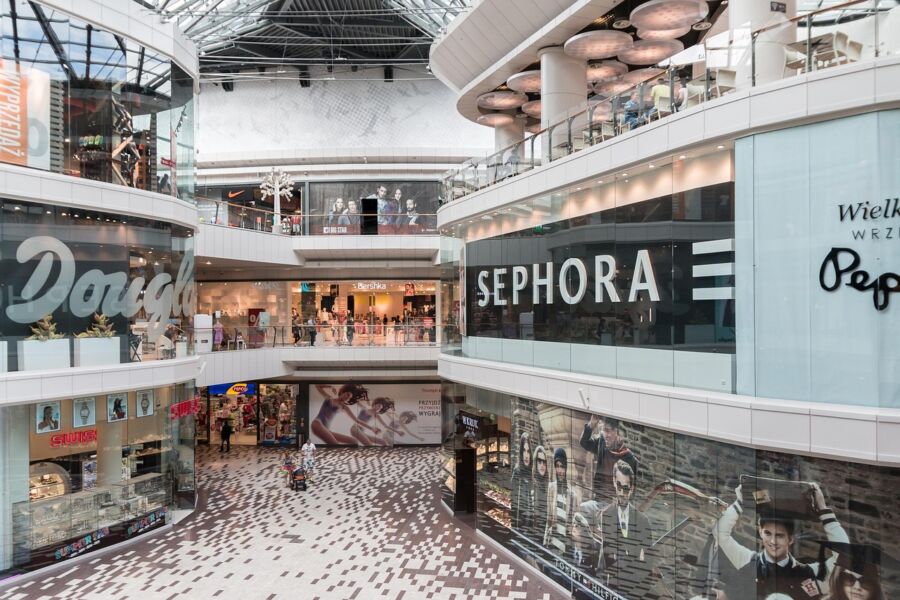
<point>298,479</point>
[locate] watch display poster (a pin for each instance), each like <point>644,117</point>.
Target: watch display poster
<point>144,403</point>
<point>84,412</point>
<point>116,407</point>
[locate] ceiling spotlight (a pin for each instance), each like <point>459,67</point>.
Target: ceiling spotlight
<point>720,147</point>
<point>652,166</point>
<point>621,24</point>
<point>701,26</point>
<point>682,157</point>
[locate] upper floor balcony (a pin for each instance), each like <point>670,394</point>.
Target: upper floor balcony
<point>852,38</point>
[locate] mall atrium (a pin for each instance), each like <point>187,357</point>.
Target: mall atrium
<point>451,299</point>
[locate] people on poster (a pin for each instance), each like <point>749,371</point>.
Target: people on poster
<point>409,221</point>
<point>385,214</point>
<point>561,503</point>
<point>540,486</point>
<point>523,486</point>
<point>405,418</point>
<point>47,417</point>
<point>773,569</point>
<point>339,400</point>
<point>375,410</point>
<point>625,542</point>
<point>117,407</point>
<point>857,571</point>
<point>336,211</point>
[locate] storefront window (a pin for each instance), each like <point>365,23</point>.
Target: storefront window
<point>94,105</point>
<point>278,414</point>
<point>88,472</point>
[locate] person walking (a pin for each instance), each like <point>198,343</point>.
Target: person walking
<point>308,451</point>
<point>311,325</point>
<point>226,432</point>
<point>350,329</point>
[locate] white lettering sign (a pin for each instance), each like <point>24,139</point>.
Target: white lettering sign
<point>96,291</point>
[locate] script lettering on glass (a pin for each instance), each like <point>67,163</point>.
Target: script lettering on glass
<point>96,291</point>
<point>843,263</point>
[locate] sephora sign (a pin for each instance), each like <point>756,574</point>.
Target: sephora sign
<point>50,289</point>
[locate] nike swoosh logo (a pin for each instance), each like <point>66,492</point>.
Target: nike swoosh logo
<point>234,194</point>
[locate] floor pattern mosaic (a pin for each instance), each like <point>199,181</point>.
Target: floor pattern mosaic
<point>370,527</point>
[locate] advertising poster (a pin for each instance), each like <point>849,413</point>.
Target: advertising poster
<point>25,101</point>
<point>47,417</point>
<point>145,403</point>
<point>402,208</point>
<point>84,412</point>
<point>116,407</point>
<point>361,414</point>
<point>614,509</point>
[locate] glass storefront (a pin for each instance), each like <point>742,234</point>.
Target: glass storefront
<point>83,473</point>
<point>95,105</point>
<point>86,288</point>
<point>614,509</point>
<point>277,312</point>
<point>262,414</point>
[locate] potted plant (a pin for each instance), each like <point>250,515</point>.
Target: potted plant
<point>45,348</point>
<point>98,345</point>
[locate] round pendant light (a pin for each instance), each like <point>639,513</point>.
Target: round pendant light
<point>658,15</point>
<point>612,88</point>
<point>532,109</point>
<point>502,100</point>
<point>495,119</point>
<point>639,75</point>
<point>650,52</point>
<point>526,81</point>
<point>663,34</point>
<point>606,70</point>
<point>597,44</point>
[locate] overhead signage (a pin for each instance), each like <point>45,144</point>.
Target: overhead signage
<point>167,162</point>
<point>370,286</point>
<point>232,389</point>
<point>25,110</point>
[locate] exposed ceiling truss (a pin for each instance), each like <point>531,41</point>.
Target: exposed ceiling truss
<point>272,36</point>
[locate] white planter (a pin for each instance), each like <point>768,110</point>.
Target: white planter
<point>37,355</point>
<point>95,352</point>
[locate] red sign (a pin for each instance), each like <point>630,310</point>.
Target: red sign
<point>73,439</point>
<point>184,409</point>
<point>167,162</point>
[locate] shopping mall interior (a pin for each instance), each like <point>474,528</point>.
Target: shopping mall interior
<point>451,299</point>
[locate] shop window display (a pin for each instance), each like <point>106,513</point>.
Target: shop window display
<point>614,509</point>
<point>98,470</point>
<point>278,415</point>
<point>99,106</point>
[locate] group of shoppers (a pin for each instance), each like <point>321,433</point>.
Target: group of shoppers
<point>411,327</point>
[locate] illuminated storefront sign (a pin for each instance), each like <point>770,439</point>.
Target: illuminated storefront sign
<point>73,439</point>
<point>185,408</point>
<point>370,286</point>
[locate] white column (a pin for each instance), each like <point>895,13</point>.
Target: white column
<point>747,16</point>
<point>563,89</point>
<point>14,462</point>
<point>109,454</point>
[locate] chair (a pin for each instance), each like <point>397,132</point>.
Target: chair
<point>794,61</point>
<point>134,346</point>
<point>607,130</point>
<point>846,51</point>
<point>726,81</point>
<point>661,108</point>
<point>827,54</point>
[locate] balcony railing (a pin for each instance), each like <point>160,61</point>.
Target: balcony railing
<point>731,61</point>
<point>240,216</point>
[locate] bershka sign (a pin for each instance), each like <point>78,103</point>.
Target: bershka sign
<point>845,267</point>
<point>572,281</point>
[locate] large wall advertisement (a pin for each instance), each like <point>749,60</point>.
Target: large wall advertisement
<point>402,208</point>
<point>818,232</point>
<point>614,509</point>
<point>362,414</point>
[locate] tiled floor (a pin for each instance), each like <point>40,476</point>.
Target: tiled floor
<point>371,527</point>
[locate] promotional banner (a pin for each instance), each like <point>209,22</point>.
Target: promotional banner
<point>25,105</point>
<point>614,509</point>
<point>393,207</point>
<point>362,414</point>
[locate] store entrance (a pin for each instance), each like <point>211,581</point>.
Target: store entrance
<point>260,414</point>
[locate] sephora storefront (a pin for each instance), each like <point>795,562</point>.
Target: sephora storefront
<point>85,473</point>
